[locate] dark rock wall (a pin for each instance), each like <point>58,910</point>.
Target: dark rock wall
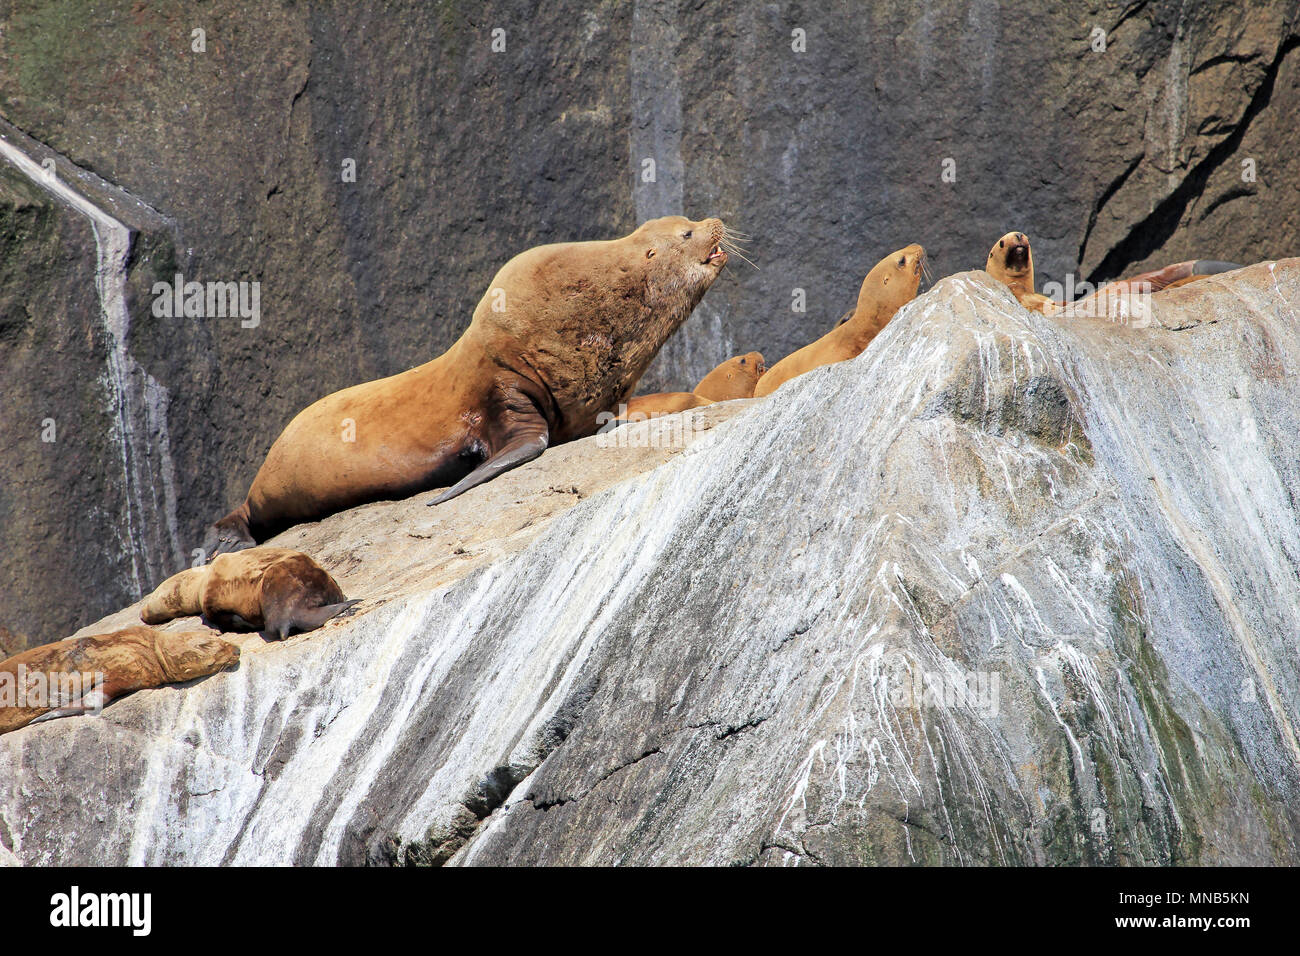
<point>829,158</point>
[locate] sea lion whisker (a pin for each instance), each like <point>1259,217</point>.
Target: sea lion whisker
<point>732,250</point>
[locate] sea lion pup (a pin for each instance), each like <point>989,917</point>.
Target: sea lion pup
<point>59,679</point>
<point>563,334</point>
<point>262,589</point>
<point>734,378</point>
<point>890,285</point>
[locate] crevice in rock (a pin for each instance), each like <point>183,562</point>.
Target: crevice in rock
<point>1150,234</point>
<point>1101,202</point>
<point>544,805</point>
<point>1128,13</point>
<point>493,790</point>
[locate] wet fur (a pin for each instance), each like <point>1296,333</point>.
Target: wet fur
<point>130,659</point>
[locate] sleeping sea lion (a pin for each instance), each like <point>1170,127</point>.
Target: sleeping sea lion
<point>273,589</point>
<point>82,674</point>
<point>734,378</point>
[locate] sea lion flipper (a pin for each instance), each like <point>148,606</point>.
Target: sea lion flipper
<point>527,439</point>
<point>307,619</point>
<point>91,703</point>
<point>229,534</point>
<point>1211,267</point>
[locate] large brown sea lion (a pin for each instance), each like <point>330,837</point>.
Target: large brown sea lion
<point>273,589</point>
<point>890,285</point>
<point>1011,262</point>
<point>563,334</point>
<point>734,378</point>
<point>60,679</point>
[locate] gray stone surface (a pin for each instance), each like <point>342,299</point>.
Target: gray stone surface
<point>708,655</point>
<point>829,158</point>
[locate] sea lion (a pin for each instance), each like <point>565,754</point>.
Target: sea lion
<point>734,378</point>
<point>59,679</point>
<point>661,403</point>
<point>1011,262</point>
<point>272,589</point>
<point>1168,277</point>
<point>890,285</point>
<point>563,334</point>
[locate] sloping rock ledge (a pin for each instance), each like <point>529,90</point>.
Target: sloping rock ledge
<point>1004,589</point>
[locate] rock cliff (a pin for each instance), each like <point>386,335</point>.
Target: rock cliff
<point>1004,589</point>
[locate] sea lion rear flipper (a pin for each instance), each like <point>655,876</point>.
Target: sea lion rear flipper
<point>527,439</point>
<point>1211,267</point>
<point>307,619</point>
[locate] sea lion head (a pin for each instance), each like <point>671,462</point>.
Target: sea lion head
<point>894,280</point>
<point>580,322</point>
<point>734,378</point>
<point>681,250</point>
<point>1011,262</point>
<point>185,655</point>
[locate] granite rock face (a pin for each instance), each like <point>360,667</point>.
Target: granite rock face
<point>1006,588</point>
<point>830,158</point>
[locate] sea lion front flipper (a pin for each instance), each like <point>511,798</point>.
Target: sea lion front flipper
<point>527,438</point>
<point>229,534</point>
<point>90,703</point>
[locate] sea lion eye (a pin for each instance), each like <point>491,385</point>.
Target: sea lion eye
<point>902,260</point>
<point>649,253</point>
<point>686,234</point>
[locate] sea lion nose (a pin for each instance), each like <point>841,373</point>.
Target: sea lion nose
<point>1020,237</point>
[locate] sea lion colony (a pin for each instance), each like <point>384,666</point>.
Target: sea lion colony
<point>556,345</point>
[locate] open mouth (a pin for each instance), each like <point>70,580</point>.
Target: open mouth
<point>716,253</point>
<point>1018,257</point>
